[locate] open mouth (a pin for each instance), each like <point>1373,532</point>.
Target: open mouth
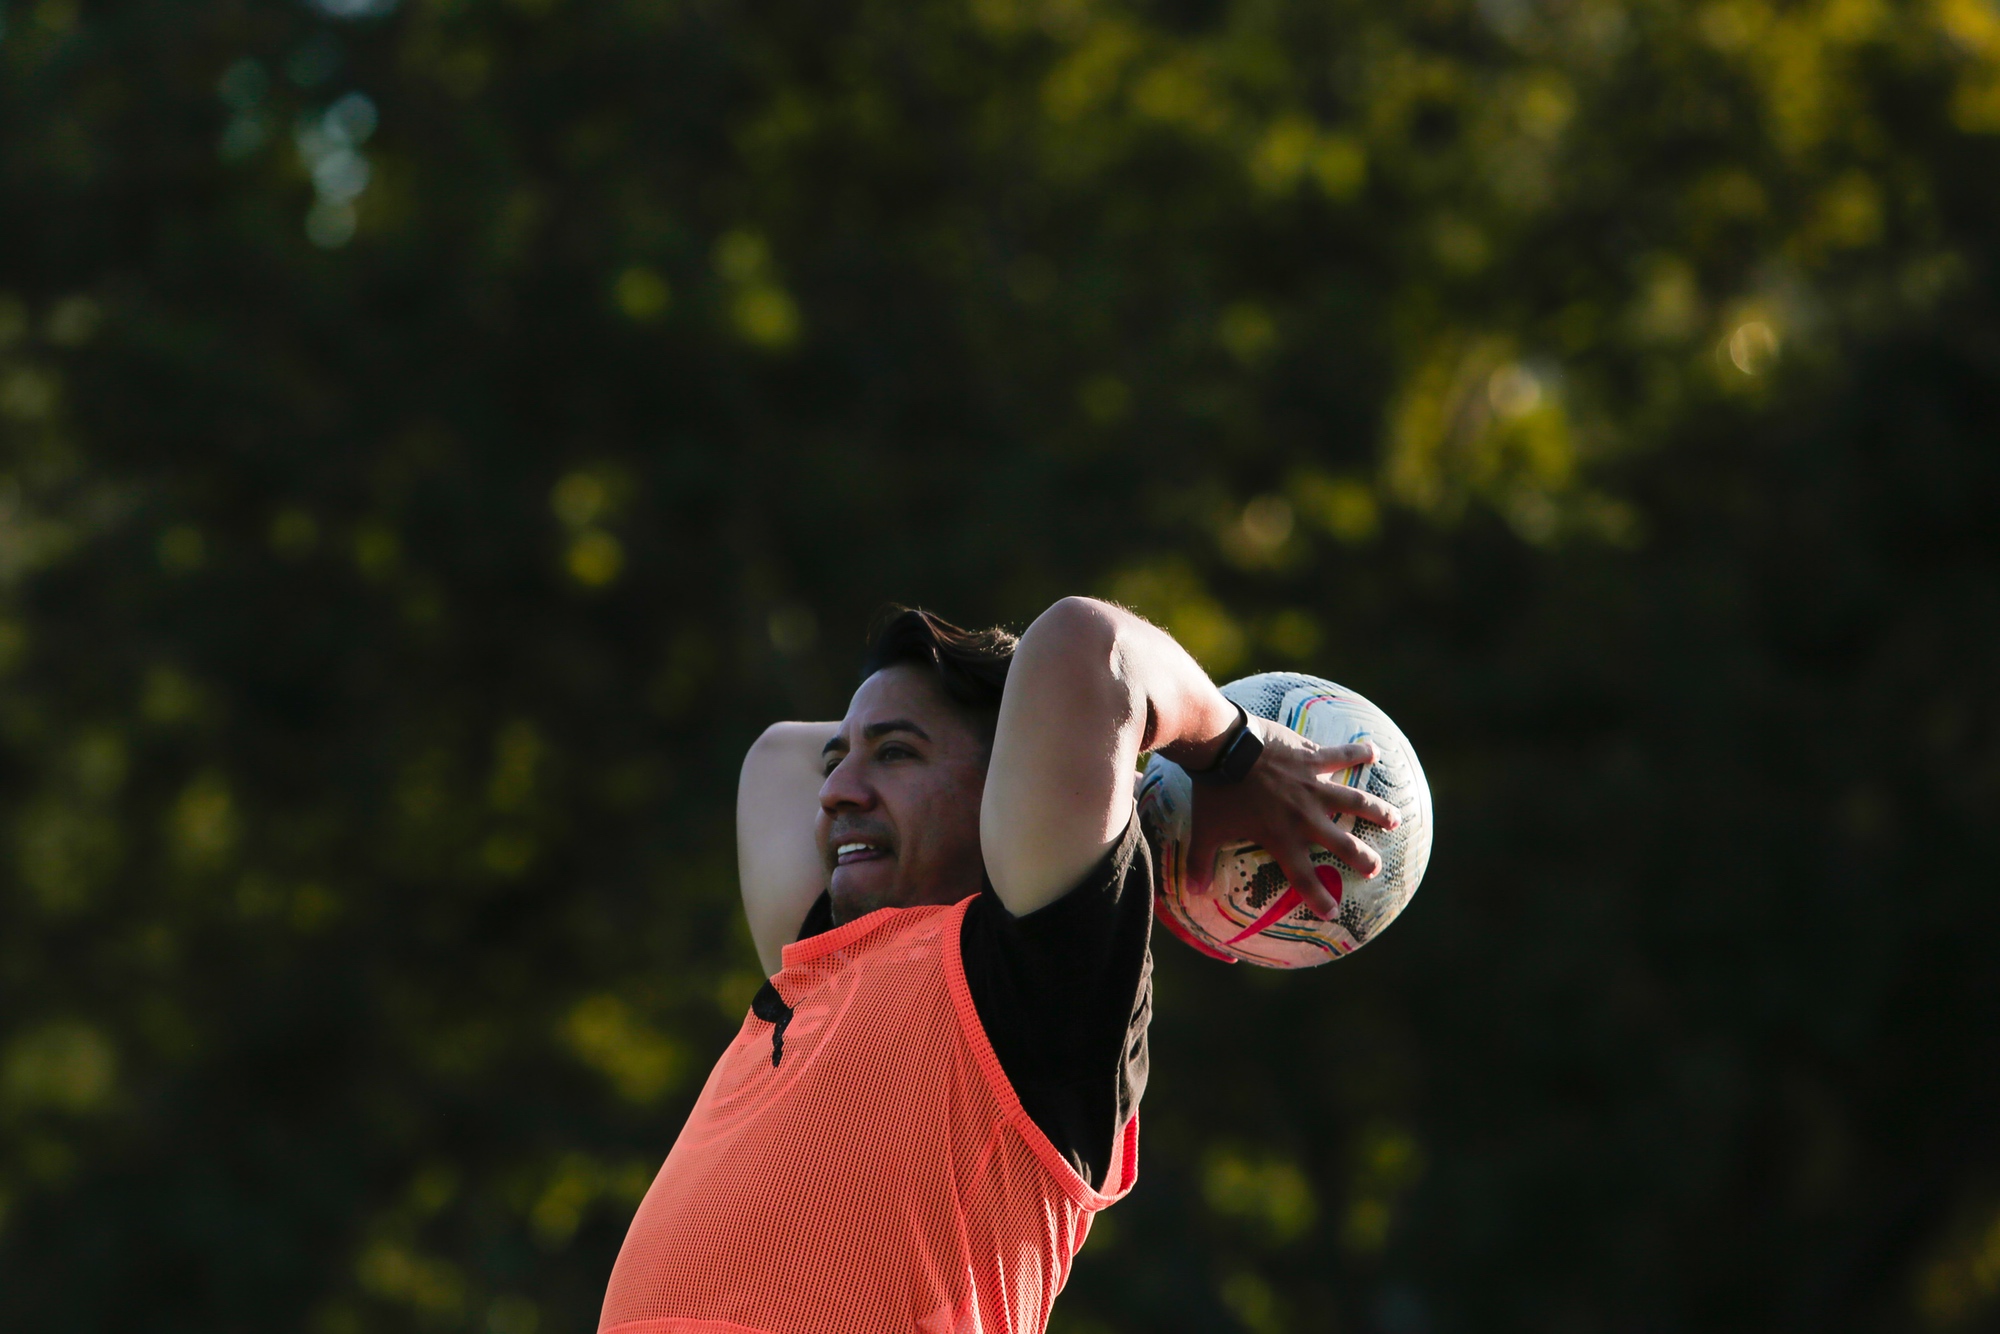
<point>847,854</point>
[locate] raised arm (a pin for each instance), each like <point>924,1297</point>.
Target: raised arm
<point>1091,687</point>
<point>777,861</point>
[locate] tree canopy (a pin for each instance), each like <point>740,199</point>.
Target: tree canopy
<point>435,439</point>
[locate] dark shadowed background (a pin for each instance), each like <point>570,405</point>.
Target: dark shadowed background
<point>435,438</point>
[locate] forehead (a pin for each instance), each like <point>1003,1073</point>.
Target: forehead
<point>909,693</point>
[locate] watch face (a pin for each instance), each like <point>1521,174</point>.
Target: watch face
<point>1238,754</point>
<point>1243,753</point>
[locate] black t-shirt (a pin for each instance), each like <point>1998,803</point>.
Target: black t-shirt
<point>1065,994</point>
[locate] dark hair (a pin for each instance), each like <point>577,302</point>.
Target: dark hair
<point>971,665</point>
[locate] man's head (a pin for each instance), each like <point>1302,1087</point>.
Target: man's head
<point>899,810</point>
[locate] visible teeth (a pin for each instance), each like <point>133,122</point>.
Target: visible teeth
<point>846,848</point>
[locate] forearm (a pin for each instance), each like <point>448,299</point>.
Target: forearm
<point>1186,718</point>
<point>778,863</point>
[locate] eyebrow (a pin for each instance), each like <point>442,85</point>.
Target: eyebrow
<point>874,730</point>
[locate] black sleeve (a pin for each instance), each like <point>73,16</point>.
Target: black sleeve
<point>1065,994</point>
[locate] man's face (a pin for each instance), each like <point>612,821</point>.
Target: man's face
<point>899,811</point>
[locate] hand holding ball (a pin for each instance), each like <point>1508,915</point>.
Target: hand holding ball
<point>1242,904</point>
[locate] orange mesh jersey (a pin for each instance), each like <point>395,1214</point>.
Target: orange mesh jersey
<point>861,1167</point>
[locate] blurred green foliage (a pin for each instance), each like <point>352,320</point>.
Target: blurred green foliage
<point>435,439</point>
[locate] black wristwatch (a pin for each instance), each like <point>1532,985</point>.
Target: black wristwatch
<point>1239,754</point>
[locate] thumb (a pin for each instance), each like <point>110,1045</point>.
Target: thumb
<point>1199,869</point>
<point>1198,851</point>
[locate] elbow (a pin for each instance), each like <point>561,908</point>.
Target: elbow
<point>1077,635</point>
<point>1080,646</point>
<point>770,740</point>
<point>1080,626</point>
<point>785,744</point>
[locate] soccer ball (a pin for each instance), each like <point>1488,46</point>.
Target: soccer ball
<point>1250,911</point>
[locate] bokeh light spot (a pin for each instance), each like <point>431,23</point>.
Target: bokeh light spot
<point>793,629</point>
<point>1340,165</point>
<point>1172,594</point>
<point>398,1274</point>
<point>1254,1303</point>
<point>294,533</point>
<point>168,696</point>
<point>1293,635</point>
<point>330,224</point>
<point>1270,1193</point>
<point>353,10</point>
<point>642,294</point>
<point>1247,331</point>
<point>511,1314</point>
<point>579,499</point>
<point>1514,390</point>
<point>204,825</point>
<point>1365,1230</point>
<point>640,1061</point>
<point>766,315</point>
<point>1344,507</point>
<point>1460,244</point>
<point>66,1064</point>
<point>13,320</point>
<point>1104,399</point>
<point>507,854</point>
<point>182,549</point>
<point>73,320</point>
<point>28,393</point>
<point>1752,347</point>
<point>595,558</point>
<point>742,256</point>
<point>1267,521</point>
<point>377,551</point>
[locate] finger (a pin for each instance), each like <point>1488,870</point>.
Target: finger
<point>1296,862</point>
<point>1353,754</point>
<point>1360,803</point>
<point>1364,860</point>
<point>1198,866</point>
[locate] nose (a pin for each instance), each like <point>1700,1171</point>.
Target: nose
<point>846,788</point>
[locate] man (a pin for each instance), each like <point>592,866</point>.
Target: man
<point>939,1085</point>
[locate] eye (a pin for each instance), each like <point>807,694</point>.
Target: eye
<point>894,750</point>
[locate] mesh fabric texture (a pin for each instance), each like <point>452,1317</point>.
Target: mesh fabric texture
<point>879,1176</point>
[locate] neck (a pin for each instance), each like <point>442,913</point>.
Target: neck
<point>848,907</point>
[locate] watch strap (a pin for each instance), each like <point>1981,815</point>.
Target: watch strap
<point>1239,754</point>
